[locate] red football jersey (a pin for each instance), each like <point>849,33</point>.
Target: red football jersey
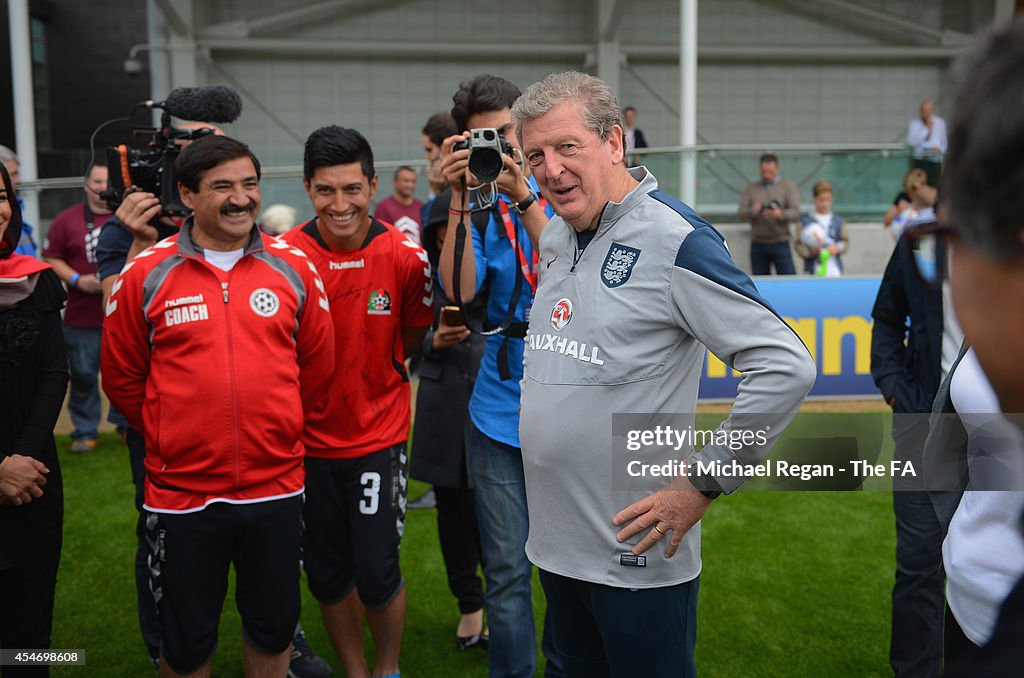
<point>374,292</point>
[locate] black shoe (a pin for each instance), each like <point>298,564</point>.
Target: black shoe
<point>466,642</point>
<point>427,500</point>
<point>305,664</point>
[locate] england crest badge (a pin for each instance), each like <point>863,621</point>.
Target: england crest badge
<point>618,264</point>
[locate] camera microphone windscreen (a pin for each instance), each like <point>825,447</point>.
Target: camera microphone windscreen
<point>210,103</point>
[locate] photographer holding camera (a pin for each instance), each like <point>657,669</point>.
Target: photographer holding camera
<point>770,205</point>
<point>501,258</point>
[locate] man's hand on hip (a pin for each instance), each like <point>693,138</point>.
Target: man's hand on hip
<point>670,512</point>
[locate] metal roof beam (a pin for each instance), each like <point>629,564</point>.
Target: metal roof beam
<point>876,16</point>
<point>538,51</point>
<point>292,18</point>
<point>377,48</point>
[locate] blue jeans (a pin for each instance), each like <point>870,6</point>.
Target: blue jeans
<point>83,347</point>
<point>764,254</point>
<point>499,492</point>
<point>918,597</point>
<point>608,632</point>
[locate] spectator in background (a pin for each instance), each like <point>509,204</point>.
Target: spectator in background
<point>920,196</point>
<point>70,247</point>
<point>27,245</point>
<point>633,136</point>
<point>908,362</point>
<point>448,361</point>
<point>402,210</point>
<point>770,205</point>
<point>439,127</point>
<point>278,219</point>
<point>34,377</point>
<point>893,219</point>
<point>820,232</point>
<point>926,136</point>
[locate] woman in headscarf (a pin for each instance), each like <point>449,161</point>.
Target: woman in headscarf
<point>34,378</point>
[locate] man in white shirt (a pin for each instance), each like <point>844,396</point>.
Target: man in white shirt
<point>926,136</point>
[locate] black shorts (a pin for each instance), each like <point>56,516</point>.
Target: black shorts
<point>354,519</point>
<point>189,556</point>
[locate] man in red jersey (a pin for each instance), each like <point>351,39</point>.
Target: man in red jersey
<point>379,286</point>
<point>218,345</point>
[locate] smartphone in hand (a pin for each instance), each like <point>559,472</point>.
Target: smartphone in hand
<point>452,316</point>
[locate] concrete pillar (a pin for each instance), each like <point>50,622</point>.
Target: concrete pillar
<point>609,51</point>
<point>688,99</point>
<point>24,104</point>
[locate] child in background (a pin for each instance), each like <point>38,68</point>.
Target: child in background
<point>823,236</point>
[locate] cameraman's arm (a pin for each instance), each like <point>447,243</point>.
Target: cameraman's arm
<point>455,166</point>
<point>136,212</point>
<point>125,235</point>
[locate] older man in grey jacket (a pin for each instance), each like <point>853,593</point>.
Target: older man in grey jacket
<point>634,287</point>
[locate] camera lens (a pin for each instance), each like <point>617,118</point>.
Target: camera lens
<point>489,135</point>
<point>485,164</point>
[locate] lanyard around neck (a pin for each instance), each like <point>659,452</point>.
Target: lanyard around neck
<point>529,268</point>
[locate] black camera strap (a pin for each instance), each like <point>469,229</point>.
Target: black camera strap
<point>508,327</point>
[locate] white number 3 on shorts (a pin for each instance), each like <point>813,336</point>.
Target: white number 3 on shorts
<point>371,490</point>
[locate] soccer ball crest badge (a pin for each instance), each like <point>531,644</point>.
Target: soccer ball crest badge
<point>264,302</point>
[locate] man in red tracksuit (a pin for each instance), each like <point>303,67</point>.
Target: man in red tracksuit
<point>218,343</point>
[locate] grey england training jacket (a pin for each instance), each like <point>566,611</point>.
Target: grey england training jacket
<point>621,327</point>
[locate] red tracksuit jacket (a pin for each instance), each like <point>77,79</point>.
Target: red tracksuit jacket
<point>219,369</point>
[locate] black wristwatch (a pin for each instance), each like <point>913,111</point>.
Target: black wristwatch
<point>706,486</point>
<point>524,204</point>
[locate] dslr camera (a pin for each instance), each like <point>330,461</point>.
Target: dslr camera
<point>485,148</point>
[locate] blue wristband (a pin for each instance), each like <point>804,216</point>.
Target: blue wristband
<point>74,280</point>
